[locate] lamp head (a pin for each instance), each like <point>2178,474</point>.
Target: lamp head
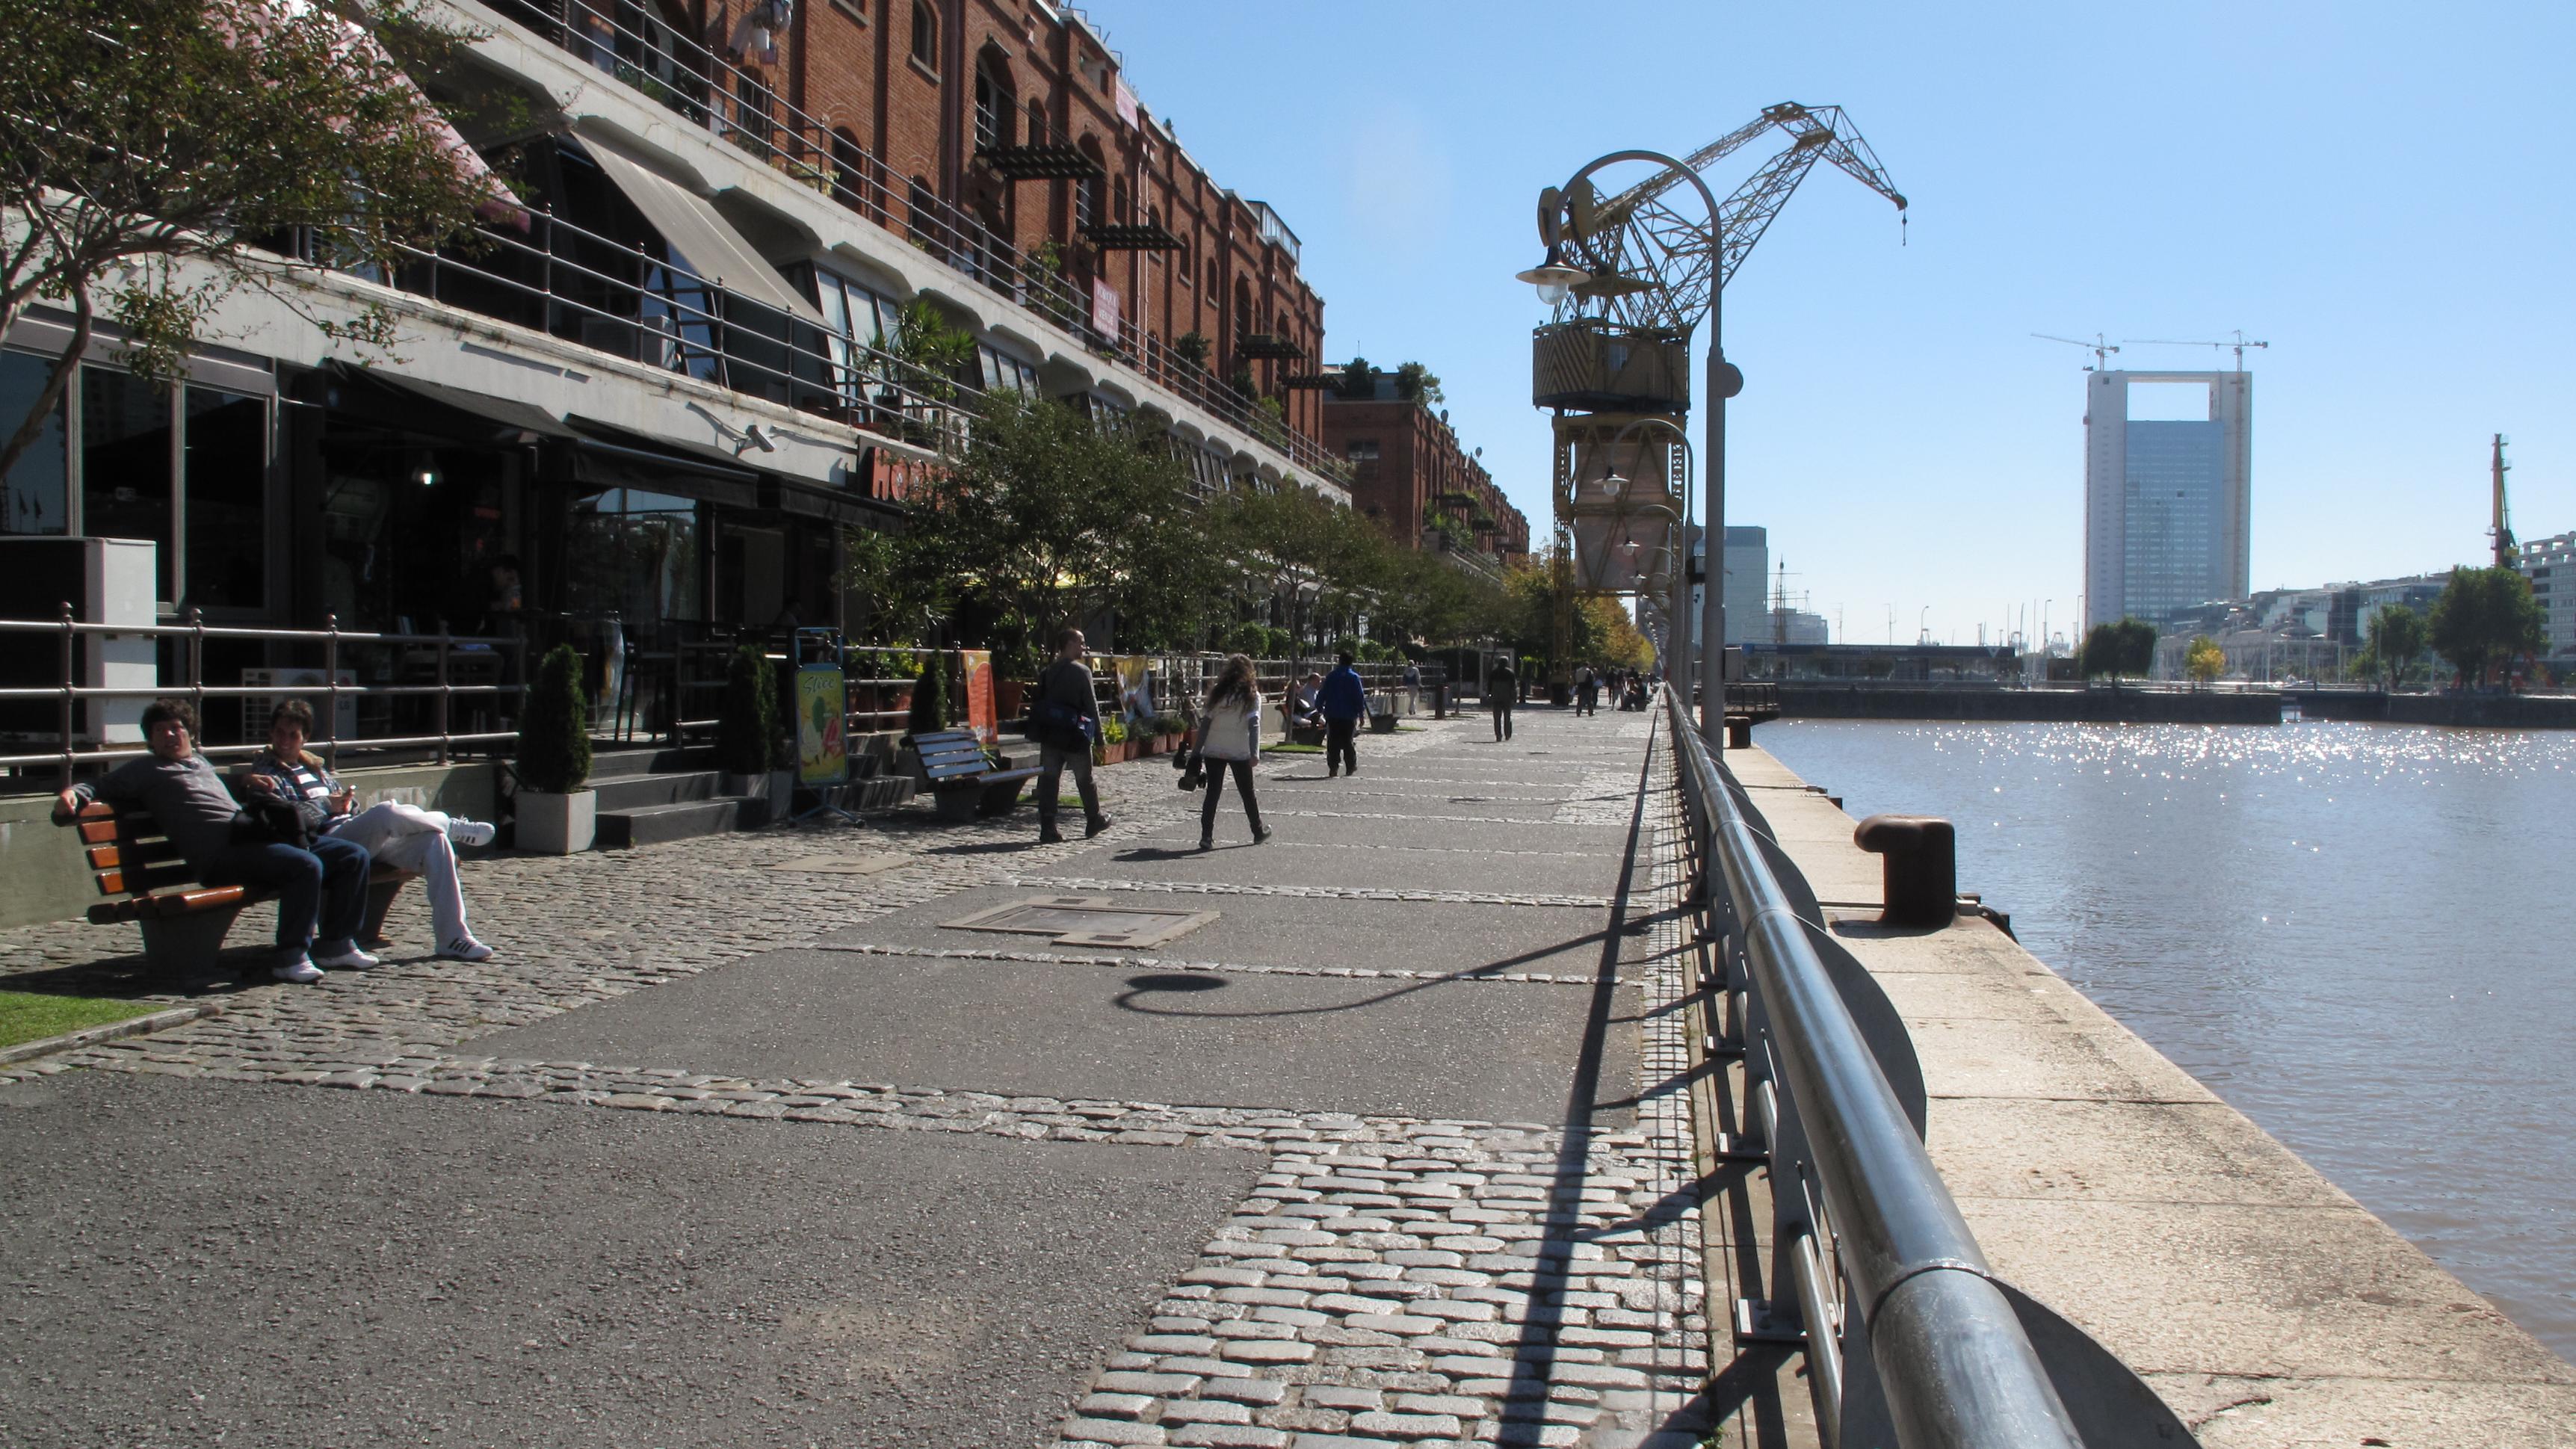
<point>1554,279</point>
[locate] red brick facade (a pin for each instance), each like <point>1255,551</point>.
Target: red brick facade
<point>1410,472</point>
<point>914,82</point>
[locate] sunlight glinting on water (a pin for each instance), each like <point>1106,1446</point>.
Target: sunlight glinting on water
<point>2358,934</point>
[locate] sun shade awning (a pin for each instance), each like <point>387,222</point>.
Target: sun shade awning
<point>707,243</point>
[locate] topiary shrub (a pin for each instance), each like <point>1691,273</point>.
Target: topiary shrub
<point>554,726</point>
<point>747,722</point>
<point>930,696</point>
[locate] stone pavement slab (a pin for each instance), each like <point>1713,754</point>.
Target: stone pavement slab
<point>1482,1050</point>
<point>1358,863</point>
<point>1319,932</point>
<point>199,1263</point>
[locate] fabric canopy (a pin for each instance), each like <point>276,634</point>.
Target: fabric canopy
<point>706,243</point>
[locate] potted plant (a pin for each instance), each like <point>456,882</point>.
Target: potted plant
<point>929,697</point>
<point>747,723</point>
<point>1193,348</point>
<point>556,816</point>
<point>1171,726</point>
<point>1112,748</point>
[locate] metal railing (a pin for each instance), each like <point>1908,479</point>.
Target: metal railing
<point>629,44</point>
<point>439,653</point>
<point>1876,1256</point>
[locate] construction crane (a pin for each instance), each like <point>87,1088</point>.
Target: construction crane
<point>1654,266</point>
<point>2100,349</point>
<point>2502,529</point>
<point>2239,345</point>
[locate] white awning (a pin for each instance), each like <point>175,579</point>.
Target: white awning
<point>707,243</point>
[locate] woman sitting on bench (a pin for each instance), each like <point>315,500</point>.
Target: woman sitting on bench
<point>402,836</point>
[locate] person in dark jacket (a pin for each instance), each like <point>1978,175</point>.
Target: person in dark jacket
<point>1344,702</point>
<point>321,889</point>
<point>1502,689</point>
<point>1067,696</point>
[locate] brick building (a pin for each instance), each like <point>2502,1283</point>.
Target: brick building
<point>1408,470</point>
<point>958,119</point>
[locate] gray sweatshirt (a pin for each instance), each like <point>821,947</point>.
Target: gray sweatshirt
<point>186,796</point>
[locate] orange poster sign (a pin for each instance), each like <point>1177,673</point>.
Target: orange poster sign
<point>980,715</point>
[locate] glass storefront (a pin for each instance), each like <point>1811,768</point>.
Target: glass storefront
<point>35,491</point>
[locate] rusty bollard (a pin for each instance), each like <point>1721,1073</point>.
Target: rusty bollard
<point>1922,867</point>
<point>1739,732</point>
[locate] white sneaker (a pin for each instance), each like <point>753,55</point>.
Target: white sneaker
<point>348,958</point>
<point>464,948</point>
<point>301,971</point>
<point>470,832</point>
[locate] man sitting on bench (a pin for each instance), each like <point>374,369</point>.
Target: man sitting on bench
<point>324,888</point>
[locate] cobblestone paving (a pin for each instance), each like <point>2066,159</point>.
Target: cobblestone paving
<point>1390,1281</point>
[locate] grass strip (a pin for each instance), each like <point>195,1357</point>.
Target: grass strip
<point>32,1016</point>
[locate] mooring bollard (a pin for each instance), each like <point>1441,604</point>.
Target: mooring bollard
<point>1922,866</point>
<point>1739,732</point>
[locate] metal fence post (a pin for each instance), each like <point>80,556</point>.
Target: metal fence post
<point>446,692</point>
<point>196,662</point>
<point>331,682</point>
<point>71,702</point>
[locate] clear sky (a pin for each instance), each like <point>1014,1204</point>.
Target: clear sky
<point>2380,191</point>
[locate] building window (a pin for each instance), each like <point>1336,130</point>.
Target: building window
<point>994,107</point>
<point>849,170</point>
<point>751,114</point>
<point>1119,206</point>
<point>1182,264</point>
<point>1086,192</point>
<point>35,492</point>
<point>1364,450</point>
<point>1037,123</point>
<point>1216,279</point>
<point>925,37</point>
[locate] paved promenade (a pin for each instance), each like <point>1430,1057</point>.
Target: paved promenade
<point>750,1141</point>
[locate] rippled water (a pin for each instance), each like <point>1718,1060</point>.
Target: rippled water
<point>2364,936</point>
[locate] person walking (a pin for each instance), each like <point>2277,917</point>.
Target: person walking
<point>1587,692</point>
<point>1412,688</point>
<point>1344,702</point>
<point>1066,718</point>
<point>321,889</point>
<point>1502,689</point>
<point>405,837</point>
<point>1229,739</point>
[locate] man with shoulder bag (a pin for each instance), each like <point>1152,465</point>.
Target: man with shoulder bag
<point>1065,719</point>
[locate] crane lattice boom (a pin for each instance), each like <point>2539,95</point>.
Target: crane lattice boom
<point>1637,233</point>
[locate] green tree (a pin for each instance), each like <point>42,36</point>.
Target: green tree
<point>1044,519</point>
<point>1283,542</point>
<point>2483,619</point>
<point>747,735</point>
<point>2101,653</point>
<point>2397,639</point>
<point>554,726</point>
<point>1359,380</point>
<point>2127,647</point>
<point>2204,660</point>
<point>1417,383</point>
<point>152,146</point>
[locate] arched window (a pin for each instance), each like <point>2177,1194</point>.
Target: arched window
<point>1118,204</point>
<point>1243,318</point>
<point>1086,192</point>
<point>1037,123</point>
<point>849,170</point>
<point>1182,264</point>
<point>925,36</point>
<point>1216,282</point>
<point>995,108</point>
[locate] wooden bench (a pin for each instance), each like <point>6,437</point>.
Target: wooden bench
<point>952,766</point>
<point>184,922</point>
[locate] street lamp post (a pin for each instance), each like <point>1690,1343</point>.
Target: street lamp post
<point>1554,280</point>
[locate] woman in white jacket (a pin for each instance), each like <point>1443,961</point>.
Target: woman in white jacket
<point>1230,738</point>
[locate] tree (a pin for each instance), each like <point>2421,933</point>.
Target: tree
<point>1044,519</point>
<point>2397,639</point>
<point>1283,541</point>
<point>1359,380</point>
<point>2204,660</point>
<point>1417,383</point>
<point>154,146</point>
<point>2484,618</point>
<point>2127,647</point>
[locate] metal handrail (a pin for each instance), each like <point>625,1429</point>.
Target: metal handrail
<point>1952,1359</point>
<point>443,690</point>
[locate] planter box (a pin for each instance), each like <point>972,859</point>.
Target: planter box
<point>557,824</point>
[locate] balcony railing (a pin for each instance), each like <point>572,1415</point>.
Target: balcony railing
<point>628,42</point>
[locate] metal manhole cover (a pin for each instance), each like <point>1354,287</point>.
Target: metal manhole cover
<point>845,864</point>
<point>1085,921</point>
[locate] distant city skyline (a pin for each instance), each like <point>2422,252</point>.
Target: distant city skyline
<point>2300,173</point>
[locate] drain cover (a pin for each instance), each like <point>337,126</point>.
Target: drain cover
<point>1085,921</point>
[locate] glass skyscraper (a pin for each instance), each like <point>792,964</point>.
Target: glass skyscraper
<point>2167,503</point>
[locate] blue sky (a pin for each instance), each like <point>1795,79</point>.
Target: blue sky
<point>2381,192</point>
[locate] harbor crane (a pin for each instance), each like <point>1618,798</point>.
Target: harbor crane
<point>2502,528</point>
<point>1654,266</point>
<point>2238,345</point>
<point>2100,348</point>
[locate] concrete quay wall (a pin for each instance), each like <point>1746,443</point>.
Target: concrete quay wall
<point>2265,1305</point>
<point>2481,711</point>
<point>2050,706</point>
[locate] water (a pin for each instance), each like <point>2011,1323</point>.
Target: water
<point>2360,935</point>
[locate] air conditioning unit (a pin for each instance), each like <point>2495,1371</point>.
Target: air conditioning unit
<point>309,685</point>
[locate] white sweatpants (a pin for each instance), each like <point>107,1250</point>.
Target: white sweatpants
<point>407,837</point>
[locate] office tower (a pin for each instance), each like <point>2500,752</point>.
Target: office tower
<point>2167,504</point>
